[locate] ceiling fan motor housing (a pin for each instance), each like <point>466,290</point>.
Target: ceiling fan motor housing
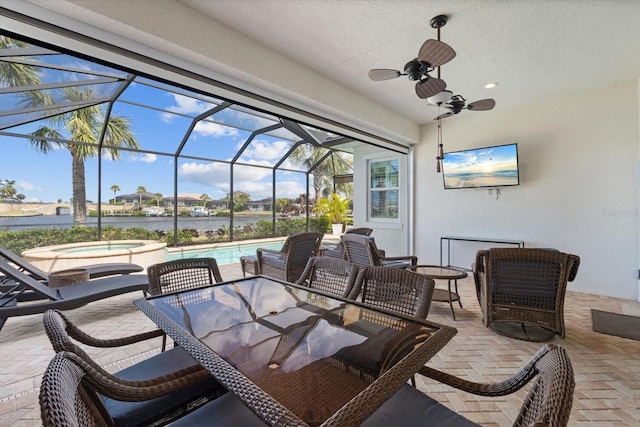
<point>415,70</point>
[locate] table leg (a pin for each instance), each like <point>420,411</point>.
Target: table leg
<point>459,299</point>
<point>450,301</point>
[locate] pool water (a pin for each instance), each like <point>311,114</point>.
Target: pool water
<point>224,254</point>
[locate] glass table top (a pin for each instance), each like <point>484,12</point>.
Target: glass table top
<point>311,352</point>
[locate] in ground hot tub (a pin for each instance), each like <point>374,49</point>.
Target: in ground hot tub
<point>74,255</point>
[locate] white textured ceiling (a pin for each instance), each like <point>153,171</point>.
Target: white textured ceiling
<point>534,49</point>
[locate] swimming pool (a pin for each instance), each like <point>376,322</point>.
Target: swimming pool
<point>228,254</point>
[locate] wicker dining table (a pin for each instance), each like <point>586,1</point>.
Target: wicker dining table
<point>297,357</point>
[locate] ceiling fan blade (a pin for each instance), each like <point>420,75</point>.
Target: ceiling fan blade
<point>435,53</point>
<point>445,115</point>
<point>429,87</point>
<point>482,105</point>
<point>380,74</point>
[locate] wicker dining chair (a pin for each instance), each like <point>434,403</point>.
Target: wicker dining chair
<point>331,275</point>
<point>362,250</point>
<point>71,395</point>
<point>521,291</point>
<point>394,289</point>
<point>548,402</point>
<point>180,381</point>
<point>182,274</point>
<point>289,262</point>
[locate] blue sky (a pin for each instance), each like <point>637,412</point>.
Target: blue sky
<point>47,177</point>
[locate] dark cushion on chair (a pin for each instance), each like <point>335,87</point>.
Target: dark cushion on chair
<point>134,413</point>
<point>273,260</point>
<point>408,407</point>
<point>411,407</point>
<point>225,411</point>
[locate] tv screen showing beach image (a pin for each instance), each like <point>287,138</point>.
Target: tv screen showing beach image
<point>481,167</point>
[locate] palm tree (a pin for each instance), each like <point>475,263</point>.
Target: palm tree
<point>8,190</point>
<point>158,197</point>
<point>141,190</point>
<point>115,189</point>
<point>16,75</point>
<point>308,156</point>
<point>204,198</point>
<point>83,126</point>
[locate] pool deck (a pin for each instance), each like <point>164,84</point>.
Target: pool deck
<point>607,368</point>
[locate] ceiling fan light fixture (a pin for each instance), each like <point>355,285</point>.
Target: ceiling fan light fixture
<point>440,98</point>
<point>491,85</point>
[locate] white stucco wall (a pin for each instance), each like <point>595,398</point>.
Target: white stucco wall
<point>578,189</point>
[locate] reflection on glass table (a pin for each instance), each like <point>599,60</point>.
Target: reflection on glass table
<point>294,356</point>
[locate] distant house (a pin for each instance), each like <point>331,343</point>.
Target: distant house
<point>217,205</point>
<point>132,199</point>
<point>183,200</point>
<point>260,205</point>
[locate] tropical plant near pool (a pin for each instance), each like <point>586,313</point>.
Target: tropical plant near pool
<point>334,208</point>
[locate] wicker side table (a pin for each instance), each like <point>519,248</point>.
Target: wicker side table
<point>249,264</point>
<point>443,273</point>
<point>68,277</point>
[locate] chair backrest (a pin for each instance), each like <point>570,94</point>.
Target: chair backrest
<point>300,247</point>
<point>64,398</point>
<point>26,282</point>
<point>290,262</point>
<point>23,264</point>
<point>182,274</point>
<point>331,275</point>
<point>360,249</point>
<point>511,282</point>
<point>394,289</point>
<point>360,230</point>
<point>551,395</point>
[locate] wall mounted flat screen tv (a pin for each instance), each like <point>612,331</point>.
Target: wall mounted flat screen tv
<point>495,166</point>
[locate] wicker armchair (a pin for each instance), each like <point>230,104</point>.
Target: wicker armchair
<point>289,263</point>
<point>71,388</point>
<point>337,251</point>
<point>548,402</point>
<point>394,289</point>
<point>521,291</point>
<point>182,275</point>
<point>362,250</point>
<point>173,381</point>
<point>331,275</point>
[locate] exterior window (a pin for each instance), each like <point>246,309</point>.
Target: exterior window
<point>383,189</point>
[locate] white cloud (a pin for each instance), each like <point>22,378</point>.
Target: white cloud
<point>210,174</point>
<point>214,129</point>
<point>185,105</point>
<point>148,158</point>
<point>25,186</point>
<point>264,150</point>
<point>254,181</point>
<point>290,189</point>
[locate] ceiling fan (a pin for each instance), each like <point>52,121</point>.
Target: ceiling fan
<point>457,103</point>
<point>432,54</point>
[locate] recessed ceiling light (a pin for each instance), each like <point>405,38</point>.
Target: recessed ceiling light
<point>491,85</point>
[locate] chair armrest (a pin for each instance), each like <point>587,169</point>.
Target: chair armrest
<point>268,251</point>
<point>574,263</point>
<point>84,338</point>
<point>502,388</point>
<point>412,258</point>
<point>134,391</point>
